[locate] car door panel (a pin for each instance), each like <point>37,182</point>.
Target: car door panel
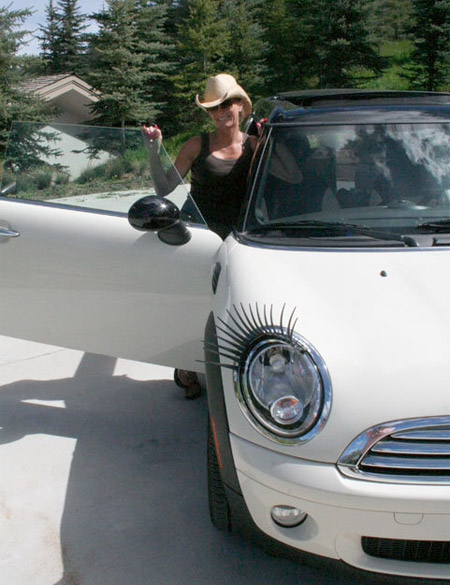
<point>90,281</point>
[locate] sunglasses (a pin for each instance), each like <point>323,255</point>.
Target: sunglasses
<point>224,105</point>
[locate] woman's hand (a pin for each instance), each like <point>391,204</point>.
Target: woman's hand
<point>152,138</point>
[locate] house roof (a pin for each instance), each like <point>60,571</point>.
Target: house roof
<point>68,92</point>
<point>48,86</point>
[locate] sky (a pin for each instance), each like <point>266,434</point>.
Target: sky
<point>39,18</point>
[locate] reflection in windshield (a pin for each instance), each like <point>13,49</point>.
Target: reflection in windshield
<point>386,176</point>
<point>84,166</point>
<point>425,146</point>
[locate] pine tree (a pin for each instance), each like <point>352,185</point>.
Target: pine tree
<point>130,56</point>
<point>389,19</point>
<point>63,40</point>
<point>430,67</point>
<point>289,53</point>
<point>15,104</point>
<point>203,41</point>
<point>49,39</point>
<point>157,53</point>
<point>338,41</point>
<point>246,53</point>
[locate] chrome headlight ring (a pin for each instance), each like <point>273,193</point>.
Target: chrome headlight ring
<point>289,401</point>
<point>281,381</point>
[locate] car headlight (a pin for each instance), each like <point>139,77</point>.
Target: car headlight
<point>284,387</point>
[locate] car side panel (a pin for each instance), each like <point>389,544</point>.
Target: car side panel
<point>90,281</point>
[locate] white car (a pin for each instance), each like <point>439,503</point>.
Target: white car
<point>322,321</point>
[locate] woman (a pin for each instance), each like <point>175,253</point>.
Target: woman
<point>219,162</point>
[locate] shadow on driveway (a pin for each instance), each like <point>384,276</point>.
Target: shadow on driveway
<point>136,509</point>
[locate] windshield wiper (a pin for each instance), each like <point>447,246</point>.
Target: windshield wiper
<point>440,225</point>
<point>355,228</point>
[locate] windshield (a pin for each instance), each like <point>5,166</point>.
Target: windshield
<point>393,179</point>
<point>88,167</point>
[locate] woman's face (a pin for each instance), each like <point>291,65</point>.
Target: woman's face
<point>227,114</point>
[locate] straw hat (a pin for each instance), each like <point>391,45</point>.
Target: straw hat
<point>220,88</point>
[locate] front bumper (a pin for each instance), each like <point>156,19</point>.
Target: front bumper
<point>341,510</point>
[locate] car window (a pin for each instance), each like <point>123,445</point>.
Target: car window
<point>392,176</point>
<point>89,167</point>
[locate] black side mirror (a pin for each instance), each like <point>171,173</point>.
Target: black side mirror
<point>158,214</point>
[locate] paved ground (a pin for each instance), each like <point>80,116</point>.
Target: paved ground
<point>103,481</point>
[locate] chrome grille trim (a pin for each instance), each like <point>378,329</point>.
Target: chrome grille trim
<point>398,448</point>
<point>404,451</point>
<point>404,463</point>
<point>424,435</point>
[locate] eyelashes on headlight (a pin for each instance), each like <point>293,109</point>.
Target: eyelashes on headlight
<point>281,381</point>
<point>245,328</point>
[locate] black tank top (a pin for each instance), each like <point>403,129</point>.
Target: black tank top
<point>218,185</point>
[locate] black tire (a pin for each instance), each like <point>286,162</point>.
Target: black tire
<point>219,509</point>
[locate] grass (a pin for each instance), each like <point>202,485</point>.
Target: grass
<point>174,143</point>
<point>127,172</point>
<point>396,55</point>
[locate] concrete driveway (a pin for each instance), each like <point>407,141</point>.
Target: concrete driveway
<point>103,481</point>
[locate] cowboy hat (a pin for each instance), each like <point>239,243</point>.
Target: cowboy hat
<point>220,88</point>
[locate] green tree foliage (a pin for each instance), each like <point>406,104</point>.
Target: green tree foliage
<point>216,36</point>
<point>15,104</point>
<point>157,53</point>
<point>29,146</point>
<point>288,53</point>
<point>246,54</point>
<point>150,58</point>
<point>63,40</point>
<point>318,43</point>
<point>49,39</point>
<point>389,19</point>
<point>131,56</point>
<point>430,67</point>
<point>337,33</point>
<point>202,40</point>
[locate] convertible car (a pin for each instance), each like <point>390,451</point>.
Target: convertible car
<point>322,321</point>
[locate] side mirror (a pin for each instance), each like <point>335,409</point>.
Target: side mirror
<point>158,214</point>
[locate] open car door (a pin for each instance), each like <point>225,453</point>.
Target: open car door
<point>74,272</point>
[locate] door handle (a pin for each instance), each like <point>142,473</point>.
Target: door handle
<point>6,233</point>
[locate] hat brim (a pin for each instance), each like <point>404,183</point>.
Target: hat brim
<point>237,92</point>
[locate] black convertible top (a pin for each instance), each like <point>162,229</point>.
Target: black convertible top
<point>354,106</point>
<point>342,97</point>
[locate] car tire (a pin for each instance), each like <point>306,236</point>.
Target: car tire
<point>219,509</point>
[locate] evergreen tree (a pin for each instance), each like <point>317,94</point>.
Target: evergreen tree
<point>289,54</point>
<point>247,52</point>
<point>72,39</point>
<point>177,11</point>
<point>63,40</point>
<point>203,41</point>
<point>389,19</point>
<point>49,39</point>
<point>338,41</point>
<point>15,104</point>
<point>157,52</point>
<point>431,33</point>
<point>131,59</point>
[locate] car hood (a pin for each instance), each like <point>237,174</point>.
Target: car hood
<point>379,319</point>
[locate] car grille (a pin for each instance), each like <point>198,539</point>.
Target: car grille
<point>419,551</point>
<point>413,450</point>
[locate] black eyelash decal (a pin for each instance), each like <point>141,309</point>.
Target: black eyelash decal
<point>244,329</point>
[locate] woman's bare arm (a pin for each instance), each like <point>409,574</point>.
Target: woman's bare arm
<point>165,182</point>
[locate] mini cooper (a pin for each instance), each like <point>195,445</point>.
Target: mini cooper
<point>322,321</point>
